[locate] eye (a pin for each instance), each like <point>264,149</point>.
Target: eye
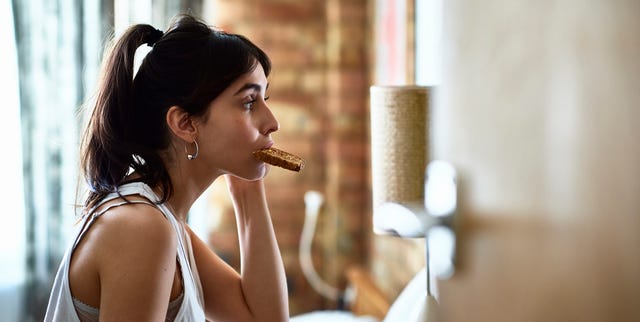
<point>248,102</point>
<point>249,105</point>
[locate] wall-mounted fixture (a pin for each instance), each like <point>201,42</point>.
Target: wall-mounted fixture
<point>407,202</point>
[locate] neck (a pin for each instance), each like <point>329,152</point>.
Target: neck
<point>189,181</point>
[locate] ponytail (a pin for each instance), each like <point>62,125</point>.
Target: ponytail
<point>107,143</point>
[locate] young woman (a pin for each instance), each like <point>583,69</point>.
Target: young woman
<point>195,111</point>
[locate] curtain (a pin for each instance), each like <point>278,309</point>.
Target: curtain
<point>12,241</point>
<point>59,46</point>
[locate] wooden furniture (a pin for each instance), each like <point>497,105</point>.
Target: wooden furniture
<point>367,298</point>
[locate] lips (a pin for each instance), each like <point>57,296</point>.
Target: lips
<point>280,158</point>
<point>268,145</point>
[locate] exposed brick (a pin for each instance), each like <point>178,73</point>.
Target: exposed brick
<point>305,34</point>
<point>313,81</point>
<point>228,11</point>
<point>283,78</point>
<point>289,10</point>
<point>292,56</point>
<point>348,125</point>
<point>287,237</point>
<point>294,119</point>
<point>319,93</point>
<point>347,82</point>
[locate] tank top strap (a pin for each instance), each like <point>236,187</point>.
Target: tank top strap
<point>128,202</point>
<point>133,188</point>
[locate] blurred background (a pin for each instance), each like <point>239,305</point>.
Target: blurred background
<point>535,103</point>
<point>325,56</point>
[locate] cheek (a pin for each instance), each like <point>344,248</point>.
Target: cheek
<point>240,132</point>
<point>235,137</point>
<point>238,145</point>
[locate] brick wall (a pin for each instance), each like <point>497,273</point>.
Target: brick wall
<point>318,92</point>
<point>321,52</point>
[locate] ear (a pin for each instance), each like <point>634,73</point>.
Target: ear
<point>181,124</point>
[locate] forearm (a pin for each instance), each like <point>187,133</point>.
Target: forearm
<point>262,272</point>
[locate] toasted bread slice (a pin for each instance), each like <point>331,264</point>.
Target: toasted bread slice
<point>280,158</point>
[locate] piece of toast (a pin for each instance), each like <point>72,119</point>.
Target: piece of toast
<point>280,158</point>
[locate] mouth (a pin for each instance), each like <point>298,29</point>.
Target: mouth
<point>280,158</point>
<point>268,145</point>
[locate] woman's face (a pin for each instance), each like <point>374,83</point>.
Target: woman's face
<point>238,122</point>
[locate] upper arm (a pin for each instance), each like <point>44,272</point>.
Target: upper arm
<point>136,264</point>
<point>221,285</point>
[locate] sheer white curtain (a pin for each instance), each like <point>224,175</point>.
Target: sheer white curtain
<point>12,237</point>
<point>58,46</point>
<point>48,67</point>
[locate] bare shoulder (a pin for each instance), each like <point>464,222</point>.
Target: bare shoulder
<point>129,248</point>
<point>123,233</point>
<point>137,264</point>
<point>134,227</point>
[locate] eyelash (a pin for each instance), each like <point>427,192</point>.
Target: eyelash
<point>248,106</point>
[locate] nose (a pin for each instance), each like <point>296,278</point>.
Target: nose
<point>270,123</point>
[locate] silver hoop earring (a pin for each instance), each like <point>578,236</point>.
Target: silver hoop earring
<point>192,156</point>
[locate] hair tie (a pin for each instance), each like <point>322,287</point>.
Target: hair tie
<point>154,36</point>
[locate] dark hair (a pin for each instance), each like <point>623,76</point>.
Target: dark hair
<point>188,66</point>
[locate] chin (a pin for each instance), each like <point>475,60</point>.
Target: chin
<point>262,172</point>
<point>256,173</point>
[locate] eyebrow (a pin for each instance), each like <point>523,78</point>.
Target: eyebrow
<point>253,86</point>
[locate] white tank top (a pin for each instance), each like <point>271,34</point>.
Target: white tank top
<point>61,307</point>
